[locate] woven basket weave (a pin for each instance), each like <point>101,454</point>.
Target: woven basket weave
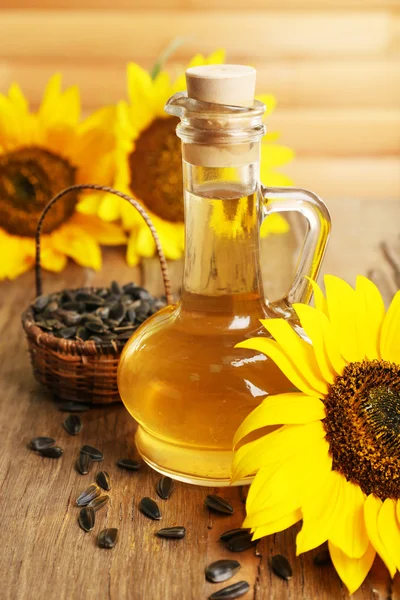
<point>74,369</point>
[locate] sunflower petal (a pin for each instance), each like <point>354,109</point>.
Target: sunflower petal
<point>278,525</point>
<point>370,315</point>
<point>282,443</point>
<point>132,257</point>
<point>283,361</point>
<point>389,531</point>
<point>274,223</point>
<point>319,298</point>
<point>390,335</point>
<point>319,512</point>
<point>281,409</point>
<point>270,103</point>
<point>349,533</point>
<point>372,507</point>
<point>75,242</point>
<point>352,571</point>
<point>275,155</point>
<point>107,234</point>
<point>342,308</point>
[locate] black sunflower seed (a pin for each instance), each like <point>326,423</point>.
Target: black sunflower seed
<point>323,558</point>
<point>86,518</point>
<point>107,538</point>
<point>40,443</point>
<point>89,494</point>
<point>103,312</point>
<point>40,303</point>
<point>241,542</point>
<point>67,332</point>
<point>231,533</point>
<point>88,297</point>
<point>82,333</point>
<point>281,566</point>
<point>75,306</point>
<point>165,487</point>
<point>103,479</point>
<point>72,424</point>
<point>176,533</point>
<point>71,406</point>
<point>94,454</point>
<point>231,591</point>
<point>129,464</point>
<point>116,288</point>
<point>52,452</point>
<point>131,314</point>
<point>218,504</point>
<point>94,327</point>
<point>84,463</point>
<point>99,502</point>
<point>150,508</point>
<point>118,312</point>
<point>71,318</point>
<point>222,570</point>
<point>52,306</point>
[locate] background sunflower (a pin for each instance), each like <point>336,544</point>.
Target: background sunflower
<point>149,164</point>
<point>40,154</point>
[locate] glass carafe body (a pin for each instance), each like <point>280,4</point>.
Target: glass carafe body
<point>181,376</point>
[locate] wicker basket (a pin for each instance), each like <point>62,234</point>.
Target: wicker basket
<point>74,369</point>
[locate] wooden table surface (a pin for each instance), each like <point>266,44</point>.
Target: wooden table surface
<point>44,553</point>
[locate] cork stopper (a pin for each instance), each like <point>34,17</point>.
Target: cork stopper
<point>233,85</point>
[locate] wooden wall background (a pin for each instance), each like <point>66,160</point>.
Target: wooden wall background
<point>333,64</point>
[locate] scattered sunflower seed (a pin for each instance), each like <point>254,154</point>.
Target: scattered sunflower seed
<point>40,443</point>
<point>52,452</point>
<point>165,487</point>
<point>176,533</point>
<point>218,504</point>
<point>86,518</point>
<point>231,591</point>
<point>99,502</point>
<point>89,494</point>
<point>281,566</point>
<point>241,542</point>
<point>84,463</point>
<point>150,508</point>
<point>73,424</point>
<point>107,538</point>
<point>323,558</point>
<point>129,464</point>
<point>231,533</point>
<point>222,570</point>
<point>71,406</point>
<point>94,453</point>
<point>103,480</point>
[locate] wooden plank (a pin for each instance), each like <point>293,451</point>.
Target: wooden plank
<point>366,132</point>
<point>365,178</point>
<point>369,83</point>
<point>253,35</point>
<point>201,4</point>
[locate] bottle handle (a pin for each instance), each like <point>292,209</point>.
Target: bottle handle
<point>288,199</point>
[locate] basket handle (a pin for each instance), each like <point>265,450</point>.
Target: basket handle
<point>133,202</point>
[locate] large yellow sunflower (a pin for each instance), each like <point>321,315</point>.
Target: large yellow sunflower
<point>149,164</point>
<point>334,460</point>
<point>40,154</point>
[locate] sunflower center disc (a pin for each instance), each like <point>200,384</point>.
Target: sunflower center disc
<point>156,169</point>
<point>363,426</point>
<point>29,178</point>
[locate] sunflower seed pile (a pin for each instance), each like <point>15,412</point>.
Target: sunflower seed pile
<point>100,314</point>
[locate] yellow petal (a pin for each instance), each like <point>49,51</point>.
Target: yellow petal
<point>281,409</point>
<point>145,245</point>
<point>349,533</point>
<point>277,525</point>
<point>342,308</point>
<point>370,315</point>
<point>132,257</point>
<point>273,178</point>
<point>281,443</point>
<point>274,223</point>
<point>319,330</point>
<point>284,362</point>
<point>51,98</point>
<point>108,234</point>
<point>270,103</point>
<point>352,571</point>
<point>51,259</point>
<point>319,298</point>
<point>372,507</point>
<point>217,57</point>
<point>390,335</point>
<point>282,488</point>
<point>89,203</point>
<point>79,245</point>
<point>274,155</point>
<point>319,512</point>
<point>109,208</point>
<point>389,531</point>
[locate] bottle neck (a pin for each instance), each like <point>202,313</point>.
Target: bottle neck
<point>222,224</point>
